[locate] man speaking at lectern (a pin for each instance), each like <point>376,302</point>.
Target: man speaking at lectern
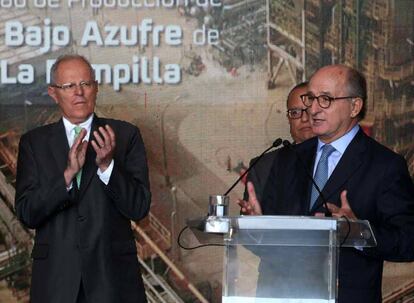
<point>80,196</point>
<point>359,178</point>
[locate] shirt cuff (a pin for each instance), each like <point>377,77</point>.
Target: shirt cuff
<point>68,188</point>
<point>106,175</point>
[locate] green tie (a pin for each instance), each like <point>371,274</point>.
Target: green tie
<point>79,174</point>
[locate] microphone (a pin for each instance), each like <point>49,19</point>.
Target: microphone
<point>287,144</point>
<point>275,144</point>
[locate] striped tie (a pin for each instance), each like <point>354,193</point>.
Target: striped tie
<point>321,175</point>
<point>77,130</point>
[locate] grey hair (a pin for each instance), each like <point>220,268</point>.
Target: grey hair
<point>67,57</point>
<point>357,86</point>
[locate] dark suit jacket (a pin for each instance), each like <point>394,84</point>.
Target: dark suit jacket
<point>83,235</point>
<point>259,173</point>
<point>379,190</point>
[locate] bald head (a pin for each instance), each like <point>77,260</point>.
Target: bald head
<point>341,93</point>
<point>351,81</point>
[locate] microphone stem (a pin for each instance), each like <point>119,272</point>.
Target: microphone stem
<point>247,170</point>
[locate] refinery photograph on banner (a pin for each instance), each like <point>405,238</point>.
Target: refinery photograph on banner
<point>208,85</point>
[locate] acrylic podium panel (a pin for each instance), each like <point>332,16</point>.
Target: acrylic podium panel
<point>282,263</point>
<point>282,259</point>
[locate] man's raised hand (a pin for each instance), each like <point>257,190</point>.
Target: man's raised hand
<point>343,211</point>
<point>76,157</point>
<point>104,146</point>
<point>252,206</point>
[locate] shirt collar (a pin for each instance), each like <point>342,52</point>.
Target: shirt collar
<point>69,126</point>
<point>342,143</point>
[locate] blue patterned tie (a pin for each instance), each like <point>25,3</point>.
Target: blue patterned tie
<point>77,130</point>
<point>321,175</point>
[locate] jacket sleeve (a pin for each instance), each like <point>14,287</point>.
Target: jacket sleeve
<point>394,229</point>
<point>128,185</point>
<point>38,197</point>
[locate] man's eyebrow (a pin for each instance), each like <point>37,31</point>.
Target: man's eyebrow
<point>321,93</point>
<point>326,93</point>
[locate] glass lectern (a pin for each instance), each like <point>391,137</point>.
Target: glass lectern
<point>280,258</point>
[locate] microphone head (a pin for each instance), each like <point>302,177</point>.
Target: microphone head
<point>277,142</point>
<point>286,143</point>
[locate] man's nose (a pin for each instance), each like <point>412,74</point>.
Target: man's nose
<point>78,89</point>
<point>305,116</point>
<point>314,108</point>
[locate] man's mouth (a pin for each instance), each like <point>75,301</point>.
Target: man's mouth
<point>79,102</point>
<point>316,121</point>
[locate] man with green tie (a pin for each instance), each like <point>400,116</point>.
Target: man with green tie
<point>79,183</point>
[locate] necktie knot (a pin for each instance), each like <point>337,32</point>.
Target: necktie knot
<point>77,130</point>
<point>327,150</point>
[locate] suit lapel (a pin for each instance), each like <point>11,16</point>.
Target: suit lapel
<point>89,168</point>
<point>347,166</point>
<point>59,145</point>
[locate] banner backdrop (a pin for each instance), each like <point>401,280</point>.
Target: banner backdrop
<point>206,82</point>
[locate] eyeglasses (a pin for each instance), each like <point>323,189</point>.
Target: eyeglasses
<point>296,113</point>
<point>71,87</point>
<point>324,101</point>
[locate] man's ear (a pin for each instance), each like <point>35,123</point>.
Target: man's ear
<point>356,104</point>
<point>52,93</point>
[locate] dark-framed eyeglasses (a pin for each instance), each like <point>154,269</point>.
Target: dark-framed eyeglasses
<point>296,113</point>
<point>324,101</point>
<point>71,87</point>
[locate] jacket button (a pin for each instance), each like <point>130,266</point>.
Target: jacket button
<point>81,218</point>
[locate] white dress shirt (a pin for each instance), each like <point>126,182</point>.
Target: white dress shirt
<point>340,146</point>
<point>70,135</point>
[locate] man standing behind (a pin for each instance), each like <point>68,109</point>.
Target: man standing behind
<point>81,196</point>
<point>300,130</point>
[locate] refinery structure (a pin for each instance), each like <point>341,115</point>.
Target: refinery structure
<point>375,37</point>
